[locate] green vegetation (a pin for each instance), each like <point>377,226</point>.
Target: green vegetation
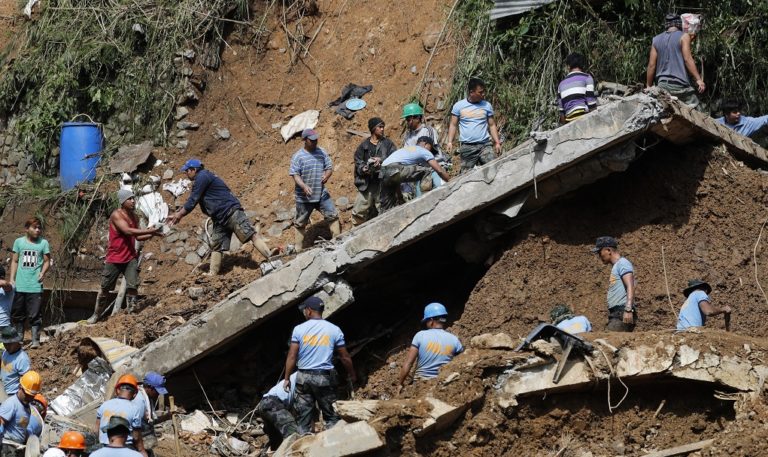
<point>521,58</point>
<point>103,57</point>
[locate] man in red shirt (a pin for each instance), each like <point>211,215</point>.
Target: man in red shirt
<point>122,257</point>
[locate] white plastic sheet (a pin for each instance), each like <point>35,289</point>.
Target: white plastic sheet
<point>305,120</point>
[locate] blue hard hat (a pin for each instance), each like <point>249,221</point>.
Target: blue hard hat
<point>191,163</point>
<point>433,310</point>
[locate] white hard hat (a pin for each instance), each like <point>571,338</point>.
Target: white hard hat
<point>54,452</point>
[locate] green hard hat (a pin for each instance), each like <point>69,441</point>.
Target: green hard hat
<point>412,109</point>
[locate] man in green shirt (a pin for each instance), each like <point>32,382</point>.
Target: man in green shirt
<point>30,262</point>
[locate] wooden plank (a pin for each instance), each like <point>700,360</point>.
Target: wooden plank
<point>681,450</point>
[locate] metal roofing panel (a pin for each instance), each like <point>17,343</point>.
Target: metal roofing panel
<point>504,8</point>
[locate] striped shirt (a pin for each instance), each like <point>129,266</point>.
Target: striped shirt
<point>576,95</point>
<point>310,167</point>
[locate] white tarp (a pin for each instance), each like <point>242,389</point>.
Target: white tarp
<point>305,120</point>
<point>504,8</point>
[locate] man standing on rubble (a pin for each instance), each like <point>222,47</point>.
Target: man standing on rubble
<point>563,318</point>
<point>122,406</point>
<point>118,431</point>
<point>15,413</point>
<point>275,410</point>
<point>224,209</point>
<point>368,157</point>
<point>433,347</point>
<point>311,168</point>
<point>146,401</point>
<point>122,256</point>
<point>745,125</point>
<point>698,306</point>
<point>622,314</point>
<point>671,60</point>
<point>29,264</point>
<point>313,344</point>
<point>15,361</point>
<point>474,119</point>
<point>408,164</point>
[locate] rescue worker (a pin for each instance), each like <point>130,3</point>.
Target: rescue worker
<point>146,401</point>
<point>431,348</point>
<point>6,299</point>
<point>745,125</point>
<point>562,317</point>
<point>122,406</point>
<point>37,417</point>
<point>368,157</point>
<point>313,344</point>
<point>15,361</point>
<point>30,261</point>
<point>407,164</point>
<point>118,431</point>
<point>71,444</point>
<point>622,314</point>
<point>224,209</point>
<point>415,127</point>
<point>311,168</point>
<point>698,306</point>
<point>122,255</point>
<point>15,413</point>
<point>670,61</point>
<point>275,410</point>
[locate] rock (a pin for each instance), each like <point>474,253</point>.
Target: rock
<point>23,164</point>
<point>341,440</point>
<point>275,230</point>
<point>450,378</point>
<point>285,215</point>
<point>172,238</point>
<point>183,236</point>
<point>182,144</point>
<point>181,112</point>
<point>196,423</point>
<point>188,54</point>
<point>430,36</point>
<point>192,258</point>
<point>356,410</point>
<point>178,251</point>
<point>182,134</point>
<point>186,125</point>
<point>168,174</point>
<point>239,446</point>
<point>343,203</point>
<point>489,341</point>
<point>277,125</point>
<point>202,250</point>
<point>222,134</point>
<point>414,70</point>
<point>195,292</point>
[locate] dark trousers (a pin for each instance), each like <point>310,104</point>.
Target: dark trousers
<point>27,305</point>
<point>616,320</point>
<point>315,386</point>
<point>279,423</point>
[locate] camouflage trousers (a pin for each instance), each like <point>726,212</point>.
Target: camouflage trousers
<point>315,386</point>
<point>279,423</point>
<point>472,154</point>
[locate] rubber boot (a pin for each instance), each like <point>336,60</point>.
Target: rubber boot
<point>335,227</point>
<point>35,336</point>
<point>20,329</point>
<point>99,308</point>
<point>299,240</point>
<point>215,264</point>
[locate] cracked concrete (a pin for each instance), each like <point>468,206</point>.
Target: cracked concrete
<point>604,134</point>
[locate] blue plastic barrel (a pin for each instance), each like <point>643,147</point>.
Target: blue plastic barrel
<point>81,146</point>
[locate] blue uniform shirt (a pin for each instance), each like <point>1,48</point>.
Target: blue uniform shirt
<point>617,293</point>
<point>690,313</point>
<point>317,339</point>
<point>6,300</point>
<point>35,426</point>
<point>746,126</point>
<point>473,120</point>
<point>409,155</point>
<point>12,368</point>
<point>15,416</point>
<point>279,392</point>
<point>215,198</point>
<point>115,452</point>
<point>310,166</point>
<point>575,325</point>
<point>118,407</point>
<point>436,348</point>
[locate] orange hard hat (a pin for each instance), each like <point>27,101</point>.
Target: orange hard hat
<point>72,440</point>
<point>31,382</point>
<point>39,398</point>
<point>128,379</point>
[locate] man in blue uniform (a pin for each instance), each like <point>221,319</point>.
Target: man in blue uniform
<point>313,344</point>
<point>698,306</point>
<point>275,409</point>
<point>622,315</point>
<point>122,406</point>
<point>562,317</point>
<point>433,347</point>
<point>15,361</point>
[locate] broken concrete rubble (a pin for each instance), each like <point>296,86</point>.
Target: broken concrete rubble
<point>611,128</point>
<point>341,440</point>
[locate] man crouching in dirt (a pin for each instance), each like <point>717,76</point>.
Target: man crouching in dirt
<point>433,347</point>
<point>563,318</point>
<point>698,306</point>
<point>622,315</point>
<point>224,209</point>
<point>275,410</point>
<point>122,257</point>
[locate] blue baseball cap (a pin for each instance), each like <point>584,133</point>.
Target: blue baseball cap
<point>191,163</point>
<point>309,133</point>
<point>312,303</point>
<point>156,381</point>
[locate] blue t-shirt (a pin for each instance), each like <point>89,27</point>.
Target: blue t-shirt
<point>115,452</point>
<point>617,293</point>
<point>436,348</point>
<point>746,126</point>
<point>409,155</point>
<point>317,339</point>
<point>15,416</point>
<point>6,300</point>
<point>279,392</point>
<point>213,195</point>
<point>35,426</point>
<point>310,167</point>
<point>473,120</point>
<point>575,325</point>
<point>12,368</point>
<point>690,313</point>
<point>118,407</point>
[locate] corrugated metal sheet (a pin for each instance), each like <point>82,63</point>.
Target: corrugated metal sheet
<point>504,8</point>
